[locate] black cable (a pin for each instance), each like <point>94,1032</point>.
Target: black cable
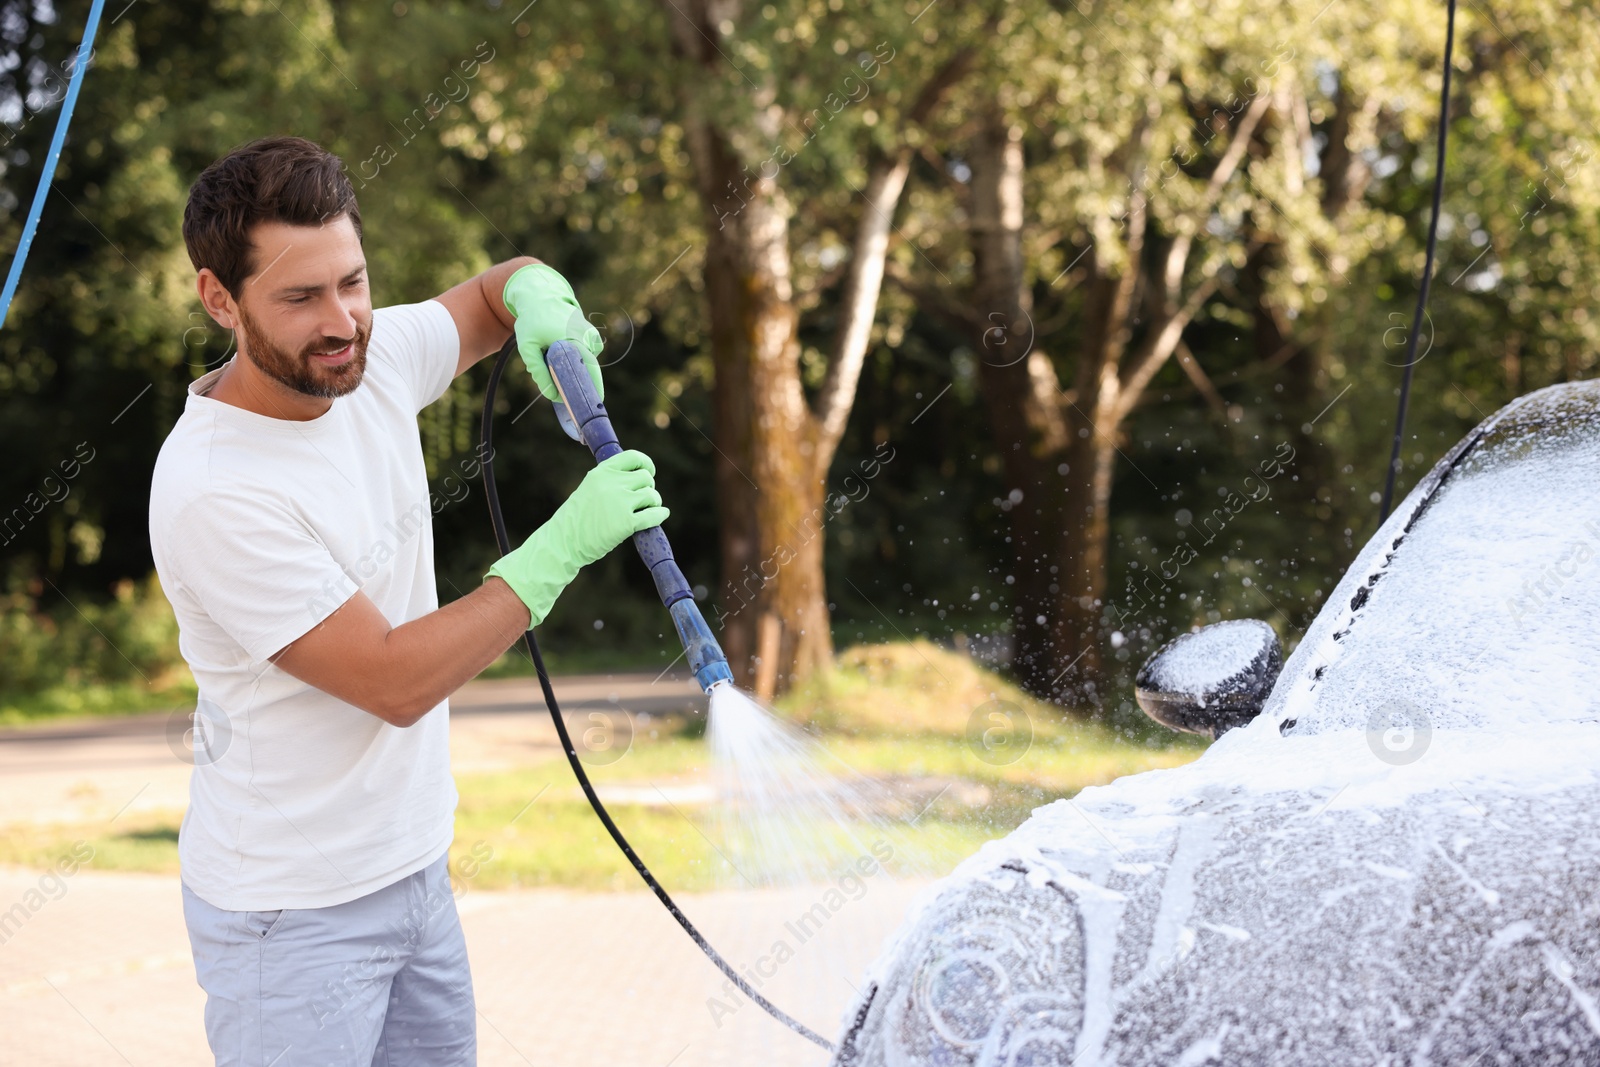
<point>486,452</point>
<point>1427,268</point>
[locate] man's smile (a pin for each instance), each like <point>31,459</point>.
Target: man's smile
<point>337,357</point>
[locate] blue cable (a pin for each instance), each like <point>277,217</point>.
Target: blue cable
<point>50,161</point>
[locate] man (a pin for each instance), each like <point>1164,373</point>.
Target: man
<point>290,522</point>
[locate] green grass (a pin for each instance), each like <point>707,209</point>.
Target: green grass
<point>530,827</point>
<point>148,842</point>
<point>897,711</point>
<point>65,703</point>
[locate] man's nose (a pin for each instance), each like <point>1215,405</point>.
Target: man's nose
<point>338,318</point>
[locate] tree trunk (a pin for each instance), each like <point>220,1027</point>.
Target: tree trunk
<point>731,304</point>
<point>1025,425</point>
<point>773,617</point>
<point>774,449</point>
<point>1083,558</point>
<point>738,536</point>
<point>1035,513</point>
<point>783,438</point>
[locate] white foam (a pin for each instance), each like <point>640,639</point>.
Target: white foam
<point>1194,663</point>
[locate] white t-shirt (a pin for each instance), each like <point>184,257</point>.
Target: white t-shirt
<point>261,528</point>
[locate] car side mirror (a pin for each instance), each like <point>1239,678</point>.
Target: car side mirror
<point>1211,680</point>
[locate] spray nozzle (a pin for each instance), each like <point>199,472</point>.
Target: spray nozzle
<point>705,656</point>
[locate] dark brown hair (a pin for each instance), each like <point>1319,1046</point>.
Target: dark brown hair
<point>274,179</point>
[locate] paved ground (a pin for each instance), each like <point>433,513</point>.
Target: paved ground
<point>99,973</point>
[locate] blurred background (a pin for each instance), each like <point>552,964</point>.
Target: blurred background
<point>982,347</point>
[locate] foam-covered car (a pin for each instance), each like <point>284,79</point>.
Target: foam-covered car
<point>1393,860</point>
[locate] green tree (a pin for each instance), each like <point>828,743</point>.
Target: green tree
<point>772,144</point>
<point>1124,178</point>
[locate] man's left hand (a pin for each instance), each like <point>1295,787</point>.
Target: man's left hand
<point>546,311</point>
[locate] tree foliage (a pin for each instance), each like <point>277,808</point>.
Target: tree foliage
<point>1130,256</point>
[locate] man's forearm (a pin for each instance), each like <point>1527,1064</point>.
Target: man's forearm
<point>433,656</point>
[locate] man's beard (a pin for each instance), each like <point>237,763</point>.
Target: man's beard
<point>298,370</point>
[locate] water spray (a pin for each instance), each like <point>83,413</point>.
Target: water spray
<point>583,416</point>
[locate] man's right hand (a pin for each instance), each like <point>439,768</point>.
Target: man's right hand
<point>614,501</point>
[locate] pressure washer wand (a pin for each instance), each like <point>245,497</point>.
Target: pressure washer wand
<point>584,417</point>
<point>705,655</point>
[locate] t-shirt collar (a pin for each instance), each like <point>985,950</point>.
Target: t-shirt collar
<point>251,420</point>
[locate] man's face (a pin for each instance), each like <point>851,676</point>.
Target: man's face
<point>305,315</point>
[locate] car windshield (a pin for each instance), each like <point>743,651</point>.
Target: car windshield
<point>1488,613</point>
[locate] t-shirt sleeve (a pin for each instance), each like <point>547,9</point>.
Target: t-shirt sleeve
<point>256,569</point>
<point>421,342</point>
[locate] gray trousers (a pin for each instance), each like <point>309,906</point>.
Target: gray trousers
<point>379,981</point>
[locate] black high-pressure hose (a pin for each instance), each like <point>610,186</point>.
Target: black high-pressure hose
<point>486,453</point>
<point>1427,268</point>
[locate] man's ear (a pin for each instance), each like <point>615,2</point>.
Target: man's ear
<point>218,302</point>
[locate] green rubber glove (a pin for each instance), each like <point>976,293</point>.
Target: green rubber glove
<point>614,501</point>
<point>546,311</point>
